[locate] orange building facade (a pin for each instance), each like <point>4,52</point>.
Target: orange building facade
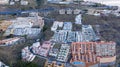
<point>93,52</point>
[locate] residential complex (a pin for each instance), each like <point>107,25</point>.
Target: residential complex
<point>60,33</point>
<point>92,53</point>
<point>25,26</point>
<point>66,35</point>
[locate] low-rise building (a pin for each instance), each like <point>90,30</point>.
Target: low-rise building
<point>62,11</point>
<point>53,64</point>
<point>76,11</point>
<point>27,55</point>
<point>67,26</point>
<point>78,19</point>
<point>23,31</point>
<point>56,24</point>
<point>69,11</point>
<point>87,3</point>
<point>99,12</point>
<point>20,2</point>
<point>24,2</point>
<point>4,2</point>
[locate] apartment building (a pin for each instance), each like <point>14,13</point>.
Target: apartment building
<point>88,33</point>
<point>41,50</point>
<point>67,26</point>
<point>23,31</point>
<point>10,41</point>
<point>27,55</point>
<point>78,19</point>
<point>67,36</point>
<point>92,53</point>
<point>64,52</point>
<point>56,24</point>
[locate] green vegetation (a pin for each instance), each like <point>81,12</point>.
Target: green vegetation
<point>57,46</point>
<point>40,2</point>
<point>40,61</point>
<point>25,64</point>
<point>45,28</point>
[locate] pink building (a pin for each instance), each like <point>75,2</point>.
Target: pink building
<point>41,50</point>
<point>45,48</point>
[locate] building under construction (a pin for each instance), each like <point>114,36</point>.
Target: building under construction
<point>86,54</point>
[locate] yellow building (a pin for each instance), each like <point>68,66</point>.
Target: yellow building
<point>4,25</point>
<point>53,64</point>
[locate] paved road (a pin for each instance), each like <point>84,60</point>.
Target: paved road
<point>26,11</point>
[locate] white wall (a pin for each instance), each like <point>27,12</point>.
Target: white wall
<point>108,2</point>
